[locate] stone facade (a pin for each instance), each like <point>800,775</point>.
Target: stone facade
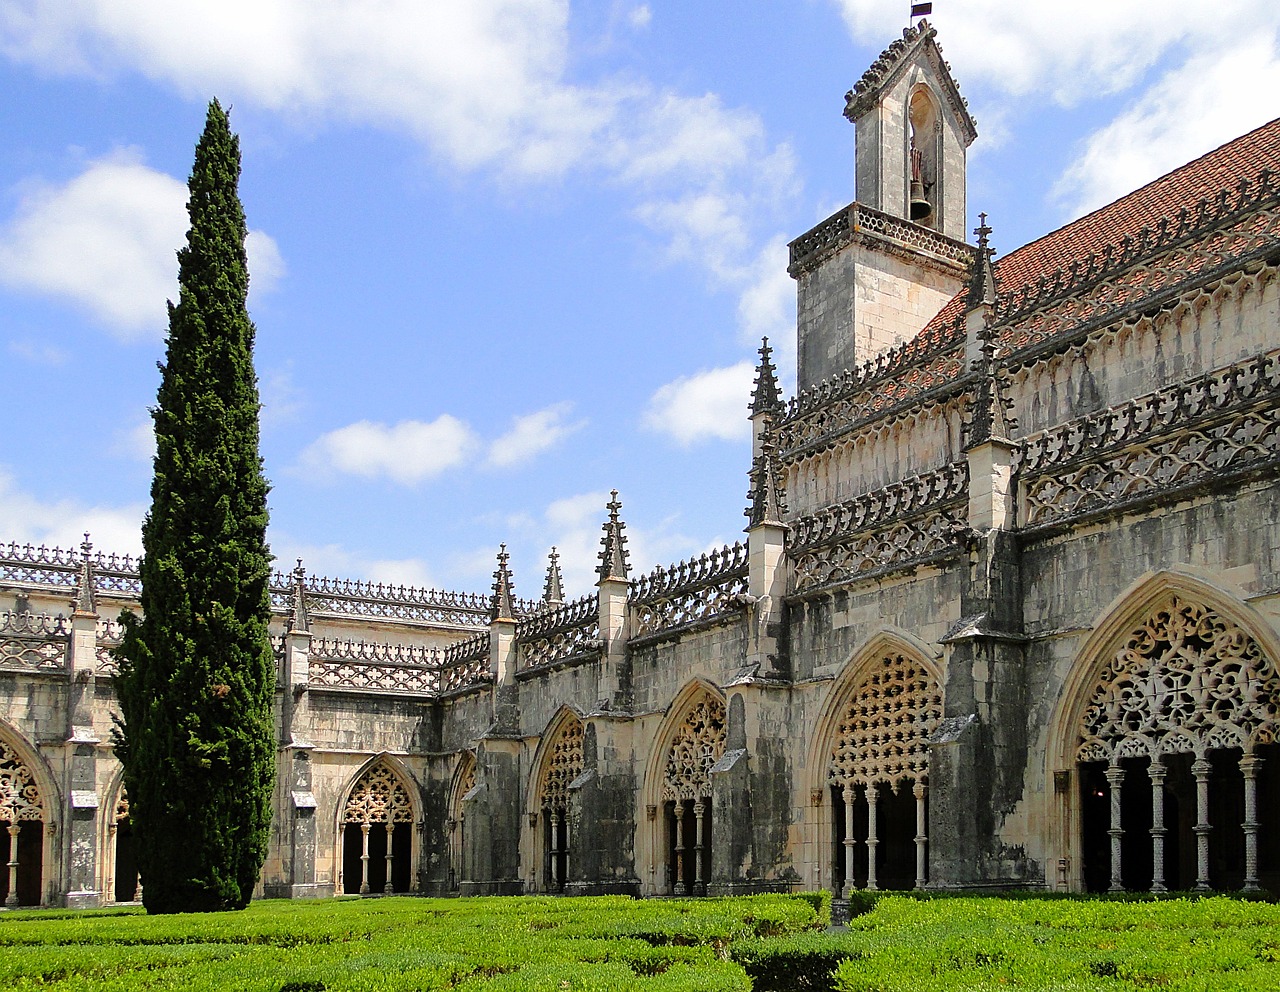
<point>1007,614</point>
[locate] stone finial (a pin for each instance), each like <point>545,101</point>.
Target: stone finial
<point>501,607</point>
<point>982,279</point>
<point>766,397</point>
<point>86,603</point>
<point>768,503</point>
<point>989,407</point>
<point>299,618</point>
<point>553,588</point>
<point>613,557</point>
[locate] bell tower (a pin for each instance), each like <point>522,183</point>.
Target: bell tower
<point>913,132</point>
<point>872,275</point>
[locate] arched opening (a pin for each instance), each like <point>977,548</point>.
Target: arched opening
<point>123,883</point>
<point>562,764</point>
<point>924,175</point>
<point>464,782</point>
<point>376,834</point>
<point>698,743</point>
<point>877,774</point>
<point>21,831</point>
<point>1176,758</point>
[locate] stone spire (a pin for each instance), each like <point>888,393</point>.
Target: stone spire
<point>613,557</point>
<point>86,603</point>
<point>989,407</point>
<point>501,607</point>
<point>766,397</point>
<point>768,501</point>
<point>553,588</point>
<point>982,279</point>
<point>299,618</point>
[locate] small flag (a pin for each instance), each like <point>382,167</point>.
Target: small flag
<point>920,9</point>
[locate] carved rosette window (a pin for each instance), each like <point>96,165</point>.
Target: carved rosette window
<point>19,797</point>
<point>1186,680</point>
<point>378,797</point>
<point>698,744</point>
<point>885,730</point>
<point>563,766</point>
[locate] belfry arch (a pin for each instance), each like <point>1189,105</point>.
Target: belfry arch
<point>924,157</point>
<point>1167,763</point>
<point>691,741</point>
<point>871,767</point>
<point>375,832</point>
<point>25,809</point>
<point>560,762</point>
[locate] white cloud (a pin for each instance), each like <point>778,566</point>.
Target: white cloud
<point>484,84</point>
<point>408,453</point>
<point>531,435</point>
<point>63,523</point>
<point>106,241</point>
<point>38,353</point>
<point>137,443</point>
<point>1067,51</point>
<point>710,404</point>
<point>1189,111</point>
<point>335,561</point>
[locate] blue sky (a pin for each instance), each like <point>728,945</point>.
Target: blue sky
<point>508,255</point>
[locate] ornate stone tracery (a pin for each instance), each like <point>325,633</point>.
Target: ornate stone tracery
<point>698,744</point>
<point>378,797</point>
<point>884,732</point>
<point>1186,680</point>
<point>564,764</point>
<point>19,795</point>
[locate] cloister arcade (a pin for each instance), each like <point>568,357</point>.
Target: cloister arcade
<point>23,829</point>
<point>1173,739</point>
<point>375,833</point>
<point>561,764</point>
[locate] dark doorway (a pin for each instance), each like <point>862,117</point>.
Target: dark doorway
<point>353,845</point>
<point>126,883</point>
<point>30,861</point>
<point>683,873</point>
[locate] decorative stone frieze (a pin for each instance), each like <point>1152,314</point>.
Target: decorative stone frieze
<point>33,642</point>
<point>568,631</point>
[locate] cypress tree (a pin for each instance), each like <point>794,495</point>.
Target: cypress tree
<point>196,676</point>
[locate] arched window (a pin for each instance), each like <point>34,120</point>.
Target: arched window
<point>375,834</point>
<point>1176,757</point>
<point>878,775</point>
<point>22,822</point>
<point>563,765</point>
<point>686,794</point>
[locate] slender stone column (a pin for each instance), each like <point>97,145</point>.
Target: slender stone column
<point>390,828</point>
<point>1115,776</point>
<point>873,841</point>
<point>108,881</point>
<point>922,836</point>
<point>698,811</point>
<point>849,795</point>
<point>679,879</point>
<point>339,888</point>
<point>1157,771</point>
<point>364,858</point>
<point>1201,769</point>
<point>1249,769</point>
<point>14,827</point>
<point>561,834</point>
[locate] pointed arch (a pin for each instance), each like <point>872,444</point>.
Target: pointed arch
<point>872,738</point>
<point>1167,718</point>
<point>120,880</point>
<point>690,740</point>
<point>923,128</point>
<point>464,780</point>
<point>28,803</point>
<point>557,762</point>
<point>376,835</point>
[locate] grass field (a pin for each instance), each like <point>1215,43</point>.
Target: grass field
<point>763,942</point>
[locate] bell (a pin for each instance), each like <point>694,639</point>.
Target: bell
<point>921,209</point>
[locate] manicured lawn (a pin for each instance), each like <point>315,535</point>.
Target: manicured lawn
<point>610,943</point>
